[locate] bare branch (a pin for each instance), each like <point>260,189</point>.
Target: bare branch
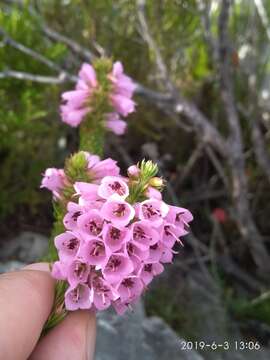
<point>263,16</point>
<point>32,77</point>
<point>236,158</point>
<point>72,45</point>
<point>35,55</point>
<point>145,32</point>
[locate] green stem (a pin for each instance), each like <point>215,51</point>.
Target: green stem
<point>92,134</point>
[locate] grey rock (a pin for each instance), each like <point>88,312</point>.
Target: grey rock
<point>122,337</point>
<point>165,343</point>
<point>26,247</point>
<point>133,336</point>
<point>11,266</point>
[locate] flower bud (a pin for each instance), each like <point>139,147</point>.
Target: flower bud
<point>156,182</point>
<point>133,171</point>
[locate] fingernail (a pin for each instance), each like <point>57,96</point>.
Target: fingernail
<point>37,266</point>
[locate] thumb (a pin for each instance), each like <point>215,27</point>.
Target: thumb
<point>73,338</point>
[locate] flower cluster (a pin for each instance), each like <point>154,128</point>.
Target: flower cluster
<point>78,103</point>
<point>114,245</point>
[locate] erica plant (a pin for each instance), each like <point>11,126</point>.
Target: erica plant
<point>112,232</point>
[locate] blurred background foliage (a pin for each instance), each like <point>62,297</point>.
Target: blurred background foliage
<point>33,138</point>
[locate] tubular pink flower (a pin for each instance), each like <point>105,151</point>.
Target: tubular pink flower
<point>179,216</point>
<point>98,169</point>
<point>68,245</point>
<point>118,127</point>
<point>131,287</point>
<point>53,180</point>
<point>154,211</point>
<point>76,102</point>
<point>77,272</point>
<point>114,237</point>
<point>171,234</point>
<point>148,271</point>
<point>111,185</point>
<point>86,190</point>
<point>123,105</point>
<point>116,210</point>
<point>94,252</point>
<point>123,84</point>
<point>91,223</point>
<point>77,297</point>
<point>102,293</point>
<point>70,219</point>
<point>117,267</point>
<point>144,235</point>
<point>133,171</point>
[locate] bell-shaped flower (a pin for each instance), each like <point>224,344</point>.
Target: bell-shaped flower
<point>116,210</point>
<point>117,267</point>
<point>115,123</point>
<point>78,297</point>
<point>148,272</point>
<point>131,287</point>
<point>111,185</point>
<point>180,217</point>
<point>154,211</point>
<point>143,234</point>
<point>94,252</point>
<point>54,180</point>
<point>68,245</point>
<point>73,212</point>
<point>102,293</point>
<point>170,234</point>
<point>91,223</point>
<point>114,237</point>
<point>77,272</point>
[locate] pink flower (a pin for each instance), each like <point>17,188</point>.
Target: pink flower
<point>70,219</point>
<point>115,124</point>
<point>179,216</point>
<point>117,267</point>
<point>88,75</point>
<point>77,272</point>
<point>77,297</point>
<point>76,102</point>
<point>94,252</point>
<point>98,169</point>
<point>123,105</point>
<point>131,287</point>
<point>143,234</point>
<point>91,223</point>
<point>87,192</point>
<point>155,252</point>
<point>59,270</point>
<point>71,115</point>
<point>116,210</point>
<point>149,271</point>
<point>136,255</point>
<point>102,293</point>
<point>171,234</point>
<point>68,245</point>
<point>133,171</point>
<point>53,180</point>
<point>111,185</point>
<point>153,193</point>
<point>114,237</point>
<point>123,84</point>
<point>154,211</point>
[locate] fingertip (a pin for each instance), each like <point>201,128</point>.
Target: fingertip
<point>73,338</point>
